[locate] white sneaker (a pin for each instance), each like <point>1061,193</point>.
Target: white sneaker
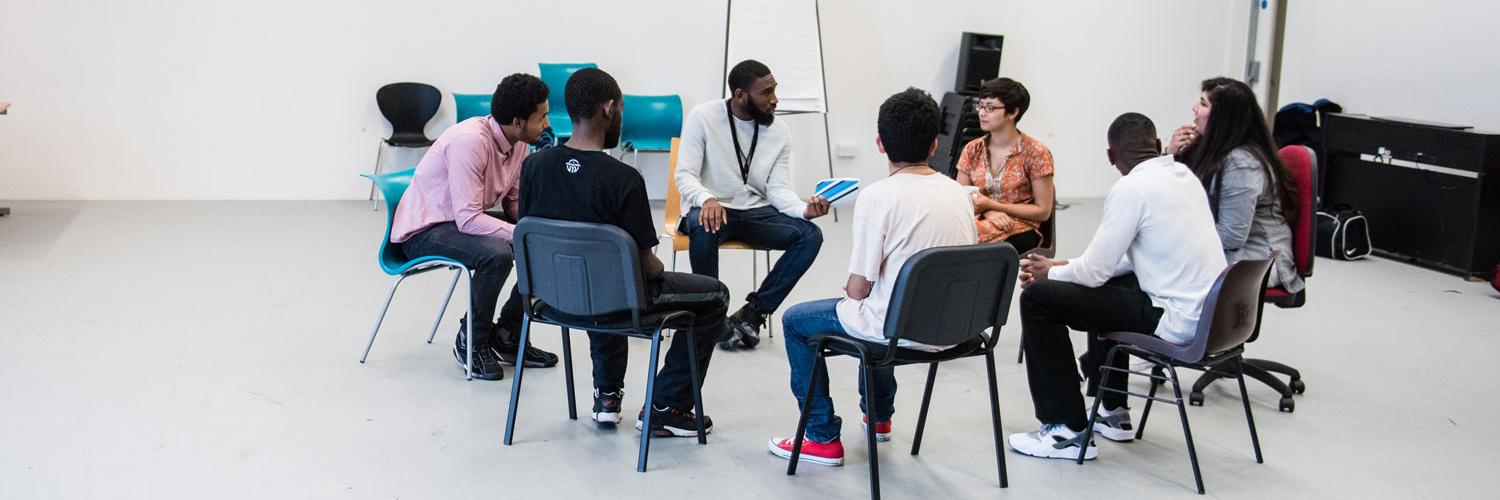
<point>1051,441</point>
<point>1114,425</point>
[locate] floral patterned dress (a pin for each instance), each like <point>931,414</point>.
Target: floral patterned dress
<point>1031,160</point>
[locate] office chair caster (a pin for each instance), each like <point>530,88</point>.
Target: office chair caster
<point>1287,405</point>
<point>1297,386</point>
<point>1195,398</point>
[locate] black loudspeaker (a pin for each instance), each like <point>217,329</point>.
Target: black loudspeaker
<point>978,60</point>
<point>960,125</point>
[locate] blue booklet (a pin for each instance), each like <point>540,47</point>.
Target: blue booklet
<point>837,188</point>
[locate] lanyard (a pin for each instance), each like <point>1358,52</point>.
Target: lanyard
<point>739,155</point>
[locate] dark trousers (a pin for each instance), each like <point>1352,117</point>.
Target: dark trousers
<point>1048,310</point>
<point>763,227</point>
<point>704,296</point>
<point>1025,242</point>
<point>489,258</point>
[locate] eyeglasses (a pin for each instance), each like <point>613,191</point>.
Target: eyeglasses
<point>987,108</point>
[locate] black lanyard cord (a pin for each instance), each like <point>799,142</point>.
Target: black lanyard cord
<point>739,155</point>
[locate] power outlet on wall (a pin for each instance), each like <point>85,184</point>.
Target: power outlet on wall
<point>846,150</point>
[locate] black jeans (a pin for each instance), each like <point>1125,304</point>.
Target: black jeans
<point>490,259</point>
<point>701,295</point>
<point>1048,310</point>
<point>1025,242</point>
<point>764,227</point>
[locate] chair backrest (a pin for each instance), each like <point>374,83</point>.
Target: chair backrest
<point>392,186</point>
<point>948,295</point>
<point>1303,167</point>
<point>466,106</point>
<point>673,209</point>
<point>650,121</point>
<point>556,75</point>
<point>408,106</point>
<point>1231,311</point>
<point>577,268</point>
<point>1049,232</point>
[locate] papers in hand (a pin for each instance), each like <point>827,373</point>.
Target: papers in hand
<point>836,189</point>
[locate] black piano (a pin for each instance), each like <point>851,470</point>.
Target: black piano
<point>1431,191</point>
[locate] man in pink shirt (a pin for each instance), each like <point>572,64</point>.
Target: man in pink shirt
<point>473,167</point>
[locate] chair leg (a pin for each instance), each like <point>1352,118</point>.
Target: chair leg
<point>916,440</point>
<point>1249,418</point>
<point>567,372</point>
<point>640,463</point>
<point>864,370</point>
<point>1187,432</point>
<point>989,364</point>
<point>819,368</point>
<point>674,260</point>
<point>1088,429</point>
<point>381,318</point>
<point>444,308</point>
<point>379,154</point>
<point>697,389</point>
<point>770,321</point>
<point>515,381</point>
<point>1021,354</point>
<point>1140,430</point>
<point>469,346</point>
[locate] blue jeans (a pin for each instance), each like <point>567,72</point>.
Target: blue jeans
<point>763,227</point>
<point>799,324</point>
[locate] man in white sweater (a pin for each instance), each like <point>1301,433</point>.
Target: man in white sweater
<point>1151,263</point>
<point>734,171</point>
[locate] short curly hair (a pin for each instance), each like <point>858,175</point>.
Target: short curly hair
<point>517,97</point>
<point>909,121</point>
<point>586,90</point>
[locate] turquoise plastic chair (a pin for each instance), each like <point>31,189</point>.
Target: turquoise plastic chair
<point>556,75</point>
<point>650,122</point>
<point>396,263</point>
<point>466,106</point>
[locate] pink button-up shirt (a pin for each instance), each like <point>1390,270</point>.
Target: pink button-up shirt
<point>470,168</point>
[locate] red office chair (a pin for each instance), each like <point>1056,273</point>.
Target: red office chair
<point>1302,165</point>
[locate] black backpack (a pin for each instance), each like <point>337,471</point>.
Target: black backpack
<point>1343,234</point>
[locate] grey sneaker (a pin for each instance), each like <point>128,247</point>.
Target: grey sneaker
<point>1051,441</point>
<point>1114,425</point>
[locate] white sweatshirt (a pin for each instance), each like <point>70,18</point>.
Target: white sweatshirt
<point>707,168</point>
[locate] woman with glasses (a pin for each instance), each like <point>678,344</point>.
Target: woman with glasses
<point>1010,172</point>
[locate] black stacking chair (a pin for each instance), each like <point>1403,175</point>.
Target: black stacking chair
<point>943,296</point>
<point>408,107</point>
<point>1230,318</point>
<point>586,276</point>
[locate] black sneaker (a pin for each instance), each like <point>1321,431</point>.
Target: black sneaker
<point>607,407</point>
<point>486,363</point>
<point>673,422</point>
<point>745,325</point>
<point>535,358</point>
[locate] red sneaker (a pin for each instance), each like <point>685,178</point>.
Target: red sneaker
<point>831,453</point>
<point>882,429</point>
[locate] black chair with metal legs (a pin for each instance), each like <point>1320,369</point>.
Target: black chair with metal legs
<point>1230,318</point>
<point>943,296</point>
<point>587,276</point>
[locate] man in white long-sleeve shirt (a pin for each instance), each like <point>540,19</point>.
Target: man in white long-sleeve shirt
<point>734,170</point>
<point>1152,261</point>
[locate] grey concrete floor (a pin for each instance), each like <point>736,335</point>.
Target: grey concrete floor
<point>209,350</point>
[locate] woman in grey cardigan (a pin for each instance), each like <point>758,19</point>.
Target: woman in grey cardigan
<point>1253,197</point>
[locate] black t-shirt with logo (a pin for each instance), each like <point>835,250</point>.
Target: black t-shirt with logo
<point>587,186</point>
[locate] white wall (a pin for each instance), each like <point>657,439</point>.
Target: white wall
<point>1431,60</point>
<point>273,99</point>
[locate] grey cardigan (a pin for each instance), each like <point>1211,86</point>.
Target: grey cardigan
<point>1249,220</point>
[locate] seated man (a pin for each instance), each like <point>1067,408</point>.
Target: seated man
<point>1148,269</point>
<point>472,167</point>
<point>734,170</point>
<point>913,209</point>
<point>578,181</point>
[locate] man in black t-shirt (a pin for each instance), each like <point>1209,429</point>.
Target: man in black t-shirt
<point>579,182</point>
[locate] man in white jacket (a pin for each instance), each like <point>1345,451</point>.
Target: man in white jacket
<point>734,171</point>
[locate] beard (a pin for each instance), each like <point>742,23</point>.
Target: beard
<point>760,117</point>
<point>612,135</point>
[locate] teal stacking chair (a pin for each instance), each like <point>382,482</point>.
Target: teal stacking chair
<point>396,263</point>
<point>650,122</point>
<point>556,75</point>
<point>466,106</point>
